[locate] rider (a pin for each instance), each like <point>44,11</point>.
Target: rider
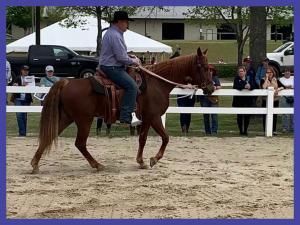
<point>113,62</point>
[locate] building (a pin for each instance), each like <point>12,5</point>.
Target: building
<point>175,25</point>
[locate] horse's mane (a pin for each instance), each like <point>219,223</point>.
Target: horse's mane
<point>174,69</point>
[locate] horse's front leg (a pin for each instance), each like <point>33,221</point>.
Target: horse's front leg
<point>142,141</point>
<point>157,125</point>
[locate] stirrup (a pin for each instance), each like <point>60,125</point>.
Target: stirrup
<point>135,121</point>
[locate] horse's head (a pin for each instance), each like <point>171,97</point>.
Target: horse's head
<point>202,75</point>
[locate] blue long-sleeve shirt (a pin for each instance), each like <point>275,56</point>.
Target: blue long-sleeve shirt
<point>260,74</point>
<point>114,50</point>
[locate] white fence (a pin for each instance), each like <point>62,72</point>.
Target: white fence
<point>269,110</point>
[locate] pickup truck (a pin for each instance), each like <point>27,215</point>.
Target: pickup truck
<point>66,62</point>
<point>282,57</point>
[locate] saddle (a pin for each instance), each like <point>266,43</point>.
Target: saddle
<point>113,93</point>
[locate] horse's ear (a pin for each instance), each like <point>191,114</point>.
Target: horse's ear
<point>205,52</point>
<point>199,52</point>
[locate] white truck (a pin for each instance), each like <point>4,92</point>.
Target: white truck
<point>282,57</point>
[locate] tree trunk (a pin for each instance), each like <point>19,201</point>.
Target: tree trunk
<point>258,36</point>
<point>99,35</point>
<point>240,36</point>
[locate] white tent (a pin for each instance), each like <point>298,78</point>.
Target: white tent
<point>83,38</point>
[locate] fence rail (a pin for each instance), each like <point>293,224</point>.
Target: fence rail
<point>269,111</point>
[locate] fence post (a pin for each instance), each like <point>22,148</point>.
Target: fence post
<point>163,119</point>
<point>270,107</point>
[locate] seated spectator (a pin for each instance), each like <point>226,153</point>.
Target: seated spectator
<point>287,101</point>
<point>211,120</point>
<point>241,83</point>
<point>270,80</point>
<point>21,99</point>
<point>185,118</point>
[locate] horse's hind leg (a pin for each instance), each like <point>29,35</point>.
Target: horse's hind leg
<point>157,125</point>
<point>83,131</point>
<point>142,141</point>
<point>64,122</point>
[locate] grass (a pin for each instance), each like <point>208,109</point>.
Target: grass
<point>217,49</point>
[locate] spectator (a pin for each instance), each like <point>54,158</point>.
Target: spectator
<point>21,99</point>
<point>48,80</point>
<point>287,101</point>
<point>185,118</point>
<point>250,76</point>
<point>153,60</point>
<point>8,72</point>
<point>99,126</point>
<point>241,83</point>
<point>176,53</point>
<point>8,75</point>
<point>261,71</point>
<point>270,80</point>
<point>211,120</point>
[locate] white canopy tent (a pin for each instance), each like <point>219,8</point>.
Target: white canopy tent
<point>83,38</point>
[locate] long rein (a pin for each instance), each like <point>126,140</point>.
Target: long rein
<point>183,86</point>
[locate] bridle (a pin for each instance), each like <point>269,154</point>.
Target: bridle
<point>203,84</point>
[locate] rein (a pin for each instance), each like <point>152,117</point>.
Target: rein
<point>183,86</point>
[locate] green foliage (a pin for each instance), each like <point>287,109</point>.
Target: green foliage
<point>226,70</point>
<point>19,16</point>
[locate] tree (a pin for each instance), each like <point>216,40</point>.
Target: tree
<point>234,17</point>
<point>258,28</point>
<point>238,19</point>
<point>19,16</point>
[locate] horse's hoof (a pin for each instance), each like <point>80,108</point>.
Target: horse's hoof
<point>143,166</point>
<point>100,167</point>
<point>153,161</point>
<point>35,170</point>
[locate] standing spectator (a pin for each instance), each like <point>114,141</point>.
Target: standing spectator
<point>250,76</point>
<point>287,101</point>
<point>8,75</point>
<point>240,83</point>
<point>22,99</point>
<point>8,72</point>
<point>261,71</point>
<point>185,118</point>
<point>211,120</point>
<point>49,79</point>
<point>99,126</point>
<point>176,53</point>
<point>153,60</point>
<point>270,80</point>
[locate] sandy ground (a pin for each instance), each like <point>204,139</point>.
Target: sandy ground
<point>205,177</point>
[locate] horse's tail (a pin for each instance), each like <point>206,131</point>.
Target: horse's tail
<point>50,117</point>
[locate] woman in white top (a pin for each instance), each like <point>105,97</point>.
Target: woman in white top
<point>287,101</point>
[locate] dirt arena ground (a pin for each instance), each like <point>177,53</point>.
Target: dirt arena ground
<point>205,177</point>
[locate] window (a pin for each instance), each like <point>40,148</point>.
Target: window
<point>173,31</point>
<point>60,52</point>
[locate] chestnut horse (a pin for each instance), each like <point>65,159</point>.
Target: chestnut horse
<point>74,100</point>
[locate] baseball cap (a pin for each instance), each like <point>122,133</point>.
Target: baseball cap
<point>247,59</point>
<point>49,68</point>
<point>24,67</point>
